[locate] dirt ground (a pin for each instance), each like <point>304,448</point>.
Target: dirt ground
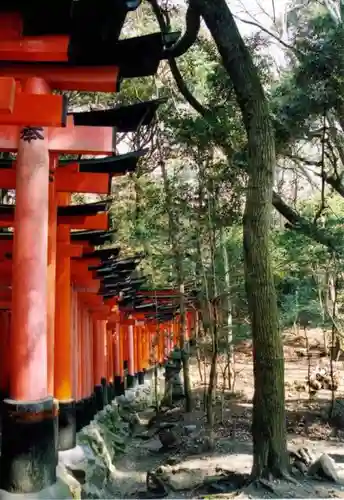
<point>195,462</point>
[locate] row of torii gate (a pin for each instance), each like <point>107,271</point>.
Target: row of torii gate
<point>75,328</point>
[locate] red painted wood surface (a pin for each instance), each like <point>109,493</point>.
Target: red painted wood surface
<point>28,342</point>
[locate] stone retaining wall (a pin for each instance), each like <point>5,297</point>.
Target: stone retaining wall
<point>88,469</point>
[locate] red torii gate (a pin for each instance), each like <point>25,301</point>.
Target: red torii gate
<point>27,99</point>
<point>36,59</point>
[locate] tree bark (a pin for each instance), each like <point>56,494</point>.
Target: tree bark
<point>228,294</point>
<point>173,230</point>
<point>269,424</point>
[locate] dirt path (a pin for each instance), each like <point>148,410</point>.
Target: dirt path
<point>131,470</point>
<point>306,427</point>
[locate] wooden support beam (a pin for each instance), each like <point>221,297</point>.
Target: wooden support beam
<point>66,181</point>
<point>98,221</point>
<point>37,110</point>
<point>68,140</point>
<point>82,79</point>
<point>7,95</point>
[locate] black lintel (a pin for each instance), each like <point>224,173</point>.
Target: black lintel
<point>95,237</point>
<point>126,118</point>
<point>55,13</point>
<point>108,268</point>
<point>5,163</point>
<point>148,306</point>
<point>112,282</point>
<point>85,209</point>
<point>116,265</point>
<point>115,165</point>
<point>123,287</point>
<point>105,272</point>
<point>97,25</point>
<point>119,275</point>
<point>136,57</point>
<point>6,235</point>
<point>103,253</point>
<point>7,209</point>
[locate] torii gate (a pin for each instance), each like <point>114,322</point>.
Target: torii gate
<point>46,48</point>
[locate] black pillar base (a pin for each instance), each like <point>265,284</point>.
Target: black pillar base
<point>141,378</point>
<point>56,429</point>
<point>119,386</point>
<point>93,405</point>
<point>67,425</point>
<point>98,391</point>
<point>111,391</point>
<point>3,394</point>
<point>131,381</point>
<point>80,415</point>
<point>88,405</point>
<point>105,391</point>
<point>28,451</point>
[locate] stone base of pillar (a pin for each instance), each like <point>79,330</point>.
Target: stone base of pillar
<point>119,386</point>
<point>148,373</point>
<point>80,415</point>
<point>98,391</point>
<point>105,391</point>
<point>28,448</point>
<point>131,381</point>
<point>141,377</point>
<point>67,425</point>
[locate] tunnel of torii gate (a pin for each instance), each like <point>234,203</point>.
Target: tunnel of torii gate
<point>77,328</point>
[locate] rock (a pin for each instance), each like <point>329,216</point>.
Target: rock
<point>338,413</point>
<point>168,438</point>
<point>153,445</point>
<point>324,467</point>
<point>189,429</point>
<point>172,460</point>
<point>166,425</point>
<point>300,466</point>
<point>185,479</point>
<point>78,474</point>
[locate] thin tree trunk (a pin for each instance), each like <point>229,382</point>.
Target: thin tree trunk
<point>230,349</point>
<point>214,323</point>
<point>269,418</point>
<point>180,279</point>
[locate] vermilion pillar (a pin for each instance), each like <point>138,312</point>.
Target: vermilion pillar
<point>118,361</point>
<point>104,380</point>
<point>140,353</point>
<point>52,235</point>
<point>98,364</point>
<point>131,353</point>
<point>111,365</point>
<point>28,417</point>
<point>63,378</point>
<point>74,333</point>
<point>4,345</point>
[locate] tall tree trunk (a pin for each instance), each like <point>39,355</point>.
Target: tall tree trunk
<point>180,279</point>
<point>214,324</point>
<point>228,294</point>
<point>269,418</point>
